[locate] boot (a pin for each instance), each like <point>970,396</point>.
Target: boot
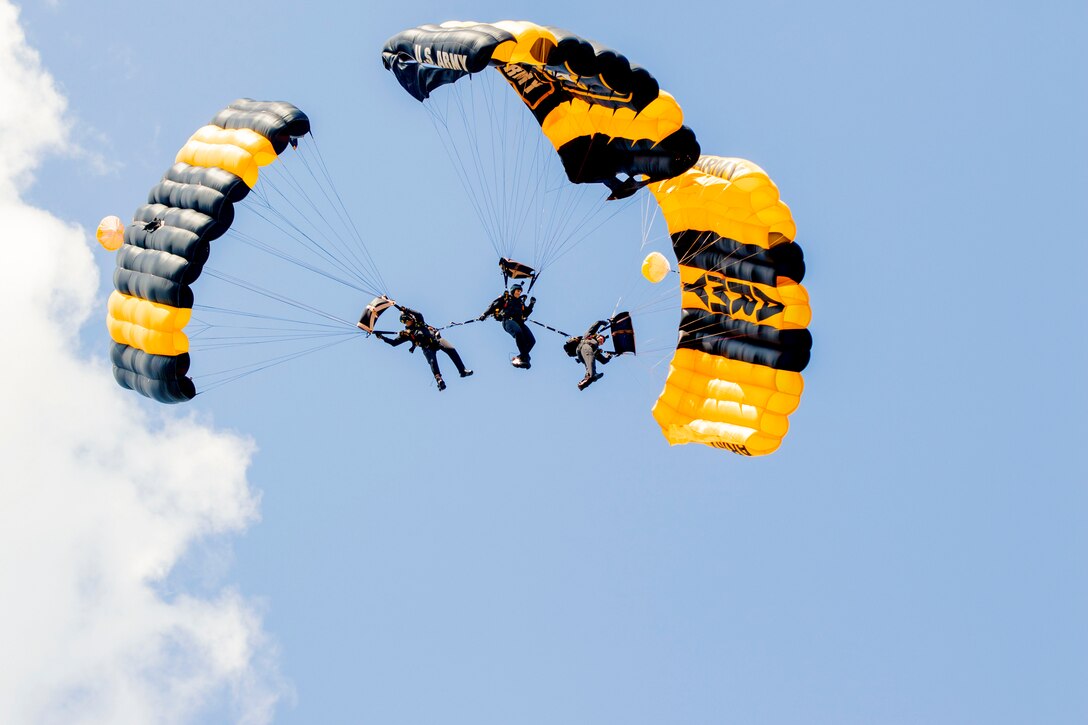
<point>465,373</point>
<point>587,381</point>
<point>441,383</point>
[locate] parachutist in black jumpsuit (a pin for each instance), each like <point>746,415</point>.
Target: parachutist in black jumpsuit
<point>427,338</point>
<point>512,312</point>
<point>590,352</point>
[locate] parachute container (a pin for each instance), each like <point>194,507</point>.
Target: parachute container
<point>744,337</point>
<point>373,311</point>
<point>655,267</point>
<point>169,241</point>
<point>111,233</point>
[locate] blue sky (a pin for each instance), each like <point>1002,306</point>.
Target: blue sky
<point>514,550</point>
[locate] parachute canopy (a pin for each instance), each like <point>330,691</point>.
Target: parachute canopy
<point>655,267</point>
<point>169,241</point>
<point>736,374</point>
<point>603,115</point>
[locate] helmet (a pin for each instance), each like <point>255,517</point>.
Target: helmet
<point>517,287</point>
<point>406,318</point>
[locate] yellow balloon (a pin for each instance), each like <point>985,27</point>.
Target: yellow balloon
<point>655,267</point>
<point>111,233</point>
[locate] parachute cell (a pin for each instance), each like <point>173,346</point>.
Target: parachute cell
<point>744,341</point>
<point>165,248</point>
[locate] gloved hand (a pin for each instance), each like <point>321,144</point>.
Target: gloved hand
<point>412,348</point>
<point>481,318</point>
<point>532,300</point>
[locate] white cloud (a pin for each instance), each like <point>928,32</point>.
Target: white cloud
<point>99,500</point>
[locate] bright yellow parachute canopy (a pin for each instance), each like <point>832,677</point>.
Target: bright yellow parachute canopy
<point>736,374</point>
<point>655,267</point>
<point>111,233</point>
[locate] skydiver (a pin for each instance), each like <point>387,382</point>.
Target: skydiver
<point>511,311</point>
<point>430,340</point>
<point>589,351</point>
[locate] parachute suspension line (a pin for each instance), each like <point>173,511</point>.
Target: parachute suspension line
<point>346,248</point>
<point>490,145</point>
<point>530,155</point>
<point>579,233</point>
<point>347,277</point>
<point>517,202</point>
<point>222,377</point>
<point>259,316</point>
<point>453,149</point>
<point>536,191</point>
<point>269,249</point>
<point>490,190</point>
<point>500,149</point>
<point>210,342</point>
<point>519,143</point>
<point>286,178</point>
<point>488,206</point>
<point>650,211</point>
<point>656,305</point>
<point>564,202</point>
<point>505,146</point>
<point>277,297</point>
<point>498,170</point>
<point>342,258</point>
<point>276,218</point>
<point>342,210</point>
<point>510,172</point>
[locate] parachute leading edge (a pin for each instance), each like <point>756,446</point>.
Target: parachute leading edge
<point>169,241</point>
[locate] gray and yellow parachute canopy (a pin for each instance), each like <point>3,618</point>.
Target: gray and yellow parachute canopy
<point>604,116</point>
<point>744,339</point>
<point>169,241</point>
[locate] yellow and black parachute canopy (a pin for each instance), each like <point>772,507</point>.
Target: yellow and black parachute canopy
<point>603,115</point>
<point>169,241</point>
<point>744,339</point>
